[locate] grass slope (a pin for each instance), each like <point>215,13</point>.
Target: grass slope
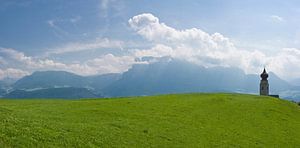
<point>185,120</point>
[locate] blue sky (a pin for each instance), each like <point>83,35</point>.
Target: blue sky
<point>95,36</point>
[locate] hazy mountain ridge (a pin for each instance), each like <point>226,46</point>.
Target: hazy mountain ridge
<point>178,76</point>
<point>64,93</point>
<point>161,77</point>
<point>49,79</point>
<point>6,85</point>
<point>295,82</point>
<point>49,84</point>
<point>52,79</point>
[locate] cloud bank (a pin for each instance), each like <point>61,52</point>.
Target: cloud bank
<point>206,49</point>
<point>193,45</point>
<point>24,65</point>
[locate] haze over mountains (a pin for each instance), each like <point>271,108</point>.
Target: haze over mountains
<point>161,77</point>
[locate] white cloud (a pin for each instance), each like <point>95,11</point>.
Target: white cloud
<point>193,45</point>
<point>24,65</point>
<point>12,73</point>
<point>158,50</point>
<point>14,55</point>
<point>111,64</point>
<point>276,18</point>
<point>286,63</point>
<point>108,63</point>
<point>199,47</point>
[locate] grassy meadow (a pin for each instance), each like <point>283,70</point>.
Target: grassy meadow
<point>177,120</point>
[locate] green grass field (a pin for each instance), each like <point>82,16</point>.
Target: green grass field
<point>182,120</point>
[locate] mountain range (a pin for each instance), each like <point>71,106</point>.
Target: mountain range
<point>161,77</point>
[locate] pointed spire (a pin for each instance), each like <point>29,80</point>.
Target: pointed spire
<point>265,69</point>
<point>264,74</point>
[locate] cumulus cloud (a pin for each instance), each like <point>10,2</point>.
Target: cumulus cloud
<point>193,44</point>
<point>206,49</point>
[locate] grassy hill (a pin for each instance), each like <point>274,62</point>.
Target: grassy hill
<point>184,120</point>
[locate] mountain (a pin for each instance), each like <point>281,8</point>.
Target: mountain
<point>50,79</point>
<point>176,76</point>
<point>295,82</point>
<point>277,84</point>
<point>62,93</point>
<point>62,84</point>
<point>163,76</point>
<point>99,82</point>
<point>56,79</point>
<point>7,82</point>
<point>2,92</point>
<point>5,85</point>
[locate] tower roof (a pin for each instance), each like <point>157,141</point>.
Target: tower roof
<point>264,75</point>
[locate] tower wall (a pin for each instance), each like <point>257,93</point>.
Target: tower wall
<point>264,87</point>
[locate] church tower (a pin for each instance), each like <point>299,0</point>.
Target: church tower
<point>264,84</point>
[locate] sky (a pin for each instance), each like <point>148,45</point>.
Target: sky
<point>91,37</point>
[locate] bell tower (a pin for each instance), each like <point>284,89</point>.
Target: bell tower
<point>264,84</point>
